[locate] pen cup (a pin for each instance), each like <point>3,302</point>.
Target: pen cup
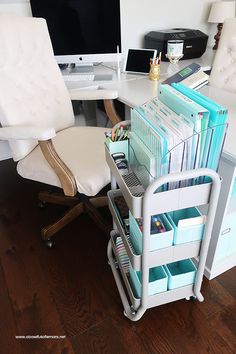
<point>118,146</point>
<point>155,71</point>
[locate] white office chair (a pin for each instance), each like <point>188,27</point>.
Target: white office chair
<point>37,120</point>
<point>223,74</point>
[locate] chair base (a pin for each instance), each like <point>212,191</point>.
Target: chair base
<point>78,205</point>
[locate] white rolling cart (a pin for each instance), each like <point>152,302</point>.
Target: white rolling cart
<point>145,203</point>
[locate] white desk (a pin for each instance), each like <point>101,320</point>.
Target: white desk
<point>228,100</point>
<point>222,250</point>
<point>135,93</point>
<point>134,90</point>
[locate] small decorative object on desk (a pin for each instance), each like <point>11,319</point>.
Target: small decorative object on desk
<point>155,68</point>
<point>175,50</point>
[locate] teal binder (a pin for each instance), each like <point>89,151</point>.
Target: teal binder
<point>156,139</point>
<point>217,123</point>
<point>181,104</point>
<point>156,127</point>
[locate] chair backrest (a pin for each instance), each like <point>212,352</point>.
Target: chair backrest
<point>223,74</point>
<point>32,90</point>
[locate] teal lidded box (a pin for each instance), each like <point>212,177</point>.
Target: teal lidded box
<point>188,225</point>
<point>157,281</point>
<point>181,273</point>
<point>157,240</point>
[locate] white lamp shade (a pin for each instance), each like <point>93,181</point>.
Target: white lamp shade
<point>220,10</point>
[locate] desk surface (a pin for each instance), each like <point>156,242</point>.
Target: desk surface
<point>134,93</point>
<point>134,90</point>
<point>228,100</point>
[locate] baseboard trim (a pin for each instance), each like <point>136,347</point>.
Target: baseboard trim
<point>217,269</point>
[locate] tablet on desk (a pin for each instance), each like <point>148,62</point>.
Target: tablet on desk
<point>138,60</point>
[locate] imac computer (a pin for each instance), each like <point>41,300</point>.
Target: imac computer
<point>82,31</point>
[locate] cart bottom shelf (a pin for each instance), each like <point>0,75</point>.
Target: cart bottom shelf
<point>136,303</point>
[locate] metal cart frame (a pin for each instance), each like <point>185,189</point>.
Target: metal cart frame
<point>145,203</point>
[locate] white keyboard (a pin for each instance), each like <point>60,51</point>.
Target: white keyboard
<point>78,77</point>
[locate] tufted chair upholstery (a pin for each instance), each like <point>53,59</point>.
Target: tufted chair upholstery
<point>223,74</point>
<point>37,120</point>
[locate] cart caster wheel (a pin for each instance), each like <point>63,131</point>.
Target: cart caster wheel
<point>191,298</point>
<point>49,243</point>
<point>42,204</point>
<point>132,310</point>
<point>200,298</point>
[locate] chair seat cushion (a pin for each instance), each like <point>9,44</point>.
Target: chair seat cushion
<point>82,150</point>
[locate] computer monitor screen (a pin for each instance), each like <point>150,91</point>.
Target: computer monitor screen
<point>81,30</point>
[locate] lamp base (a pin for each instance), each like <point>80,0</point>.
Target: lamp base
<point>217,36</point>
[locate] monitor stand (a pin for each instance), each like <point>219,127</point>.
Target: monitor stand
<point>85,69</point>
<point>80,68</point>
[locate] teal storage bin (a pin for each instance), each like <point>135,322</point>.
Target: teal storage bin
<point>180,273</point>
<point>157,241</point>
<point>188,225</point>
<point>157,281</point>
<point>118,146</point>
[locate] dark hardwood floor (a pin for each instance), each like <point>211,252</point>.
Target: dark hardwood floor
<point>70,291</point>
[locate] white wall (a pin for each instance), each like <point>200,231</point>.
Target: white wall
<point>138,17</point>
<point>141,16</point>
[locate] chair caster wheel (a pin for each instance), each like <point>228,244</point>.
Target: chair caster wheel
<point>49,243</point>
<point>191,298</point>
<point>42,204</point>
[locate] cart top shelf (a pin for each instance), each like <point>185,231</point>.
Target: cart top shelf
<point>135,194</point>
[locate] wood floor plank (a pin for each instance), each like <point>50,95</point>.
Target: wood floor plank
<point>70,290</point>
<point>33,306</point>
<point>7,322</point>
<point>108,338</point>
<point>182,327</point>
<point>86,304</point>
<point>215,297</point>
<point>227,281</point>
<point>224,323</point>
<point>34,309</point>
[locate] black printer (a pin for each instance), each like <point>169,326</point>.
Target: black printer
<point>195,41</point>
